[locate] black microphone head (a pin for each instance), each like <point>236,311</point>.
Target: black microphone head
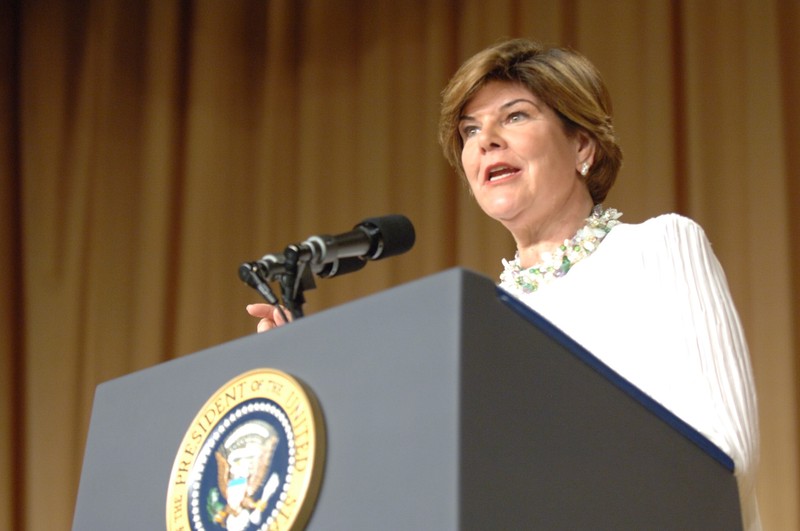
<point>391,235</point>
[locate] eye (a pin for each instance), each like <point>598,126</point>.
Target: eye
<point>516,116</point>
<point>468,131</point>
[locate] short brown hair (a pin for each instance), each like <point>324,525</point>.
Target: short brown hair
<point>563,79</point>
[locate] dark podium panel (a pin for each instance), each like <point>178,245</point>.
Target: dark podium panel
<point>447,406</point>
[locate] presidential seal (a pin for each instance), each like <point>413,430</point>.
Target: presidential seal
<point>252,458</point>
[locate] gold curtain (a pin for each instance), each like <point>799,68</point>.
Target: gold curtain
<point>149,147</point>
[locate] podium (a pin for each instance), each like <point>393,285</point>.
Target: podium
<point>447,405</point>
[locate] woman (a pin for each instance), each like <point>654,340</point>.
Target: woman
<point>529,129</point>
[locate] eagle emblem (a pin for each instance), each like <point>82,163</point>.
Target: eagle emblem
<point>243,464</point>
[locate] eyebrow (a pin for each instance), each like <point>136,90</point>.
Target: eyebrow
<point>506,105</point>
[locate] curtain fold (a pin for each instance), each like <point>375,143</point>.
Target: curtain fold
<point>789,47</point>
<point>12,305</point>
<point>149,147</point>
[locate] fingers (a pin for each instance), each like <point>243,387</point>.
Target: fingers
<point>270,316</point>
<point>265,324</point>
<point>260,310</point>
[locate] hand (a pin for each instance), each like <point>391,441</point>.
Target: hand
<point>270,316</point>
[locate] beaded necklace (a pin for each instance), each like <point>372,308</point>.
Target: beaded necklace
<point>556,264</point>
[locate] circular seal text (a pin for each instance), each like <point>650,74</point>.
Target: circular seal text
<point>251,459</point>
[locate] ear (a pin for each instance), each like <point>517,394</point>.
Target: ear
<point>585,149</point>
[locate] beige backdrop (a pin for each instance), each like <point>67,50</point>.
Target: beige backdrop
<point>149,147</point>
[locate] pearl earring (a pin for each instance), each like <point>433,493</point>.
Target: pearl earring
<point>584,168</point>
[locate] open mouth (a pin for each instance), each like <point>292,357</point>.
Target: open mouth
<point>497,173</point>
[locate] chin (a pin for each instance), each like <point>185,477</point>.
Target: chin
<point>502,217</point>
<point>501,211</point>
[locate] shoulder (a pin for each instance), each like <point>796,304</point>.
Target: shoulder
<point>665,224</point>
<point>668,232</point>
<point>665,246</point>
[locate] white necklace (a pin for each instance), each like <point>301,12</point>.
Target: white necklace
<point>556,264</point>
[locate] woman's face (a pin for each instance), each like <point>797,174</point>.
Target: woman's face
<point>521,165</point>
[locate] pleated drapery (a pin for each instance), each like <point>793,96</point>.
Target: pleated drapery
<point>149,147</point>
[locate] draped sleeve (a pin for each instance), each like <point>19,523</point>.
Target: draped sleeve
<point>712,328</point>
<point>719,337</point>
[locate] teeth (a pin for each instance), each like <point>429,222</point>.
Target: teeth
<point>500,172</point>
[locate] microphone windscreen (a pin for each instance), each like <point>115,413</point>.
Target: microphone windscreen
<point>396,232</point>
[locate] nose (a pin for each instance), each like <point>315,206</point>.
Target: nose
<point>491,138</point>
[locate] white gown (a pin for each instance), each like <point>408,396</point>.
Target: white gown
<point>652,302</point>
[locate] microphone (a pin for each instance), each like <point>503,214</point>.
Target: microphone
<point>329,256</point>
<point>249,274</point>
<point>342,266</point>
<point>372,239</point>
